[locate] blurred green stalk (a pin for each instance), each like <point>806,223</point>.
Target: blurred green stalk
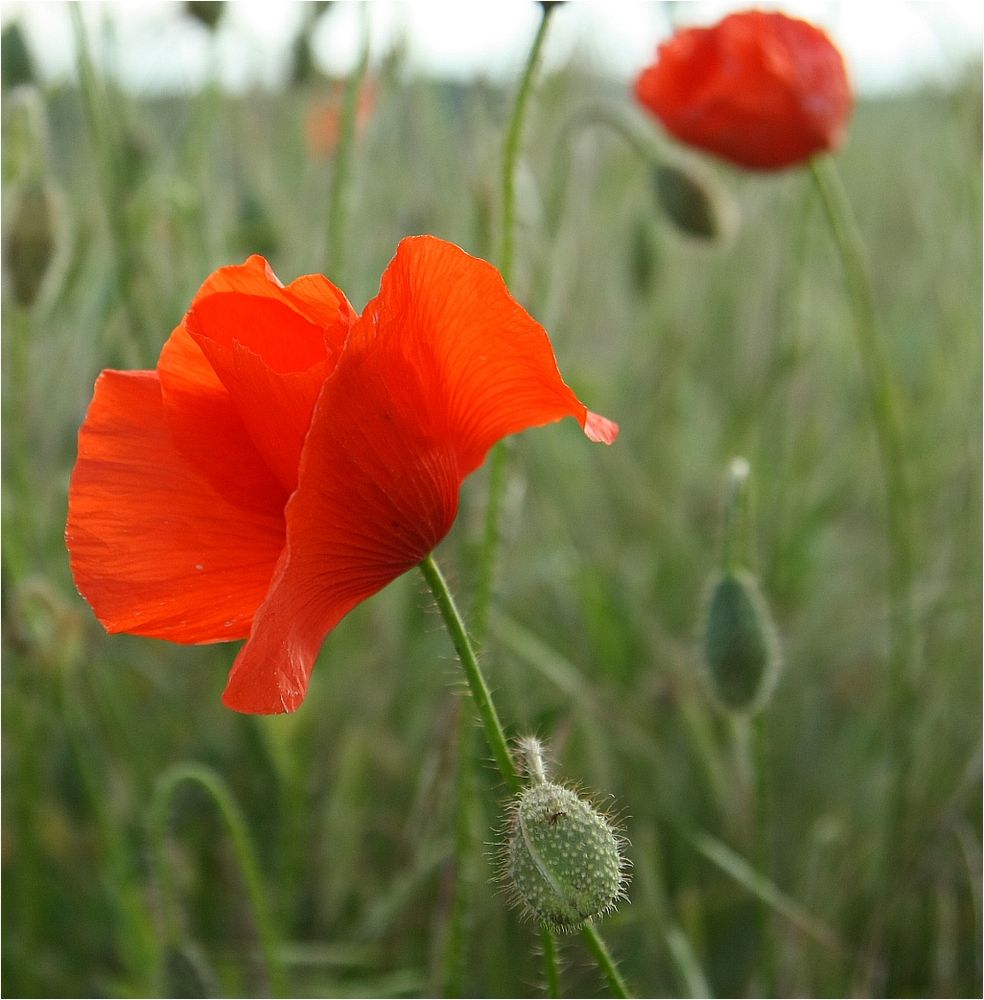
<point>242,845</point>
<point>103,121</point>
<point>883,400</point>
<point>499,460</point>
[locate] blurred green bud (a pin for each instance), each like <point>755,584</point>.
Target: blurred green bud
<point>563,859</point>
<point>16,64</point>
<point>691,201</point>
<point>740,644</point>
<point>207,12</point>
<point>30,243</point>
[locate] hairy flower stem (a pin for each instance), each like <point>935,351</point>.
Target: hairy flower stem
<point>882,397</point>
<point>549,945</point>
<point>494,734</point>
<point>245,853</point>
<point>338,197</point>
<point>499,460</point>
<point>604,961</point>
<point>496,739</point>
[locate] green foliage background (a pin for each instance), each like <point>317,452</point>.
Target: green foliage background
<point>702,350</point>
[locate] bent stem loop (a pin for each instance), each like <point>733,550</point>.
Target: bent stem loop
<point>496,739</point>
<point>223,798</point>
<point>883,400</point>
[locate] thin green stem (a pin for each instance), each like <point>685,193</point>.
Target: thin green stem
<point>167,785</point>
<point>499,460</point>
<point>510,153</point>
<point>550,968</point>
<point>883,401</point>
<point>494,734</point>
<point>605,963</point>
<point>735,552</point>
<point>338,197</point>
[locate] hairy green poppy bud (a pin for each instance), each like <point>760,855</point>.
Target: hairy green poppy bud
<point>563,860</point>
<point>691,201</point>
<point>740,644</point>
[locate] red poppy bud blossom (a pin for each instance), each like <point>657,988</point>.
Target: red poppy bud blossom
<point>760,89</point>
<point>287,458</point>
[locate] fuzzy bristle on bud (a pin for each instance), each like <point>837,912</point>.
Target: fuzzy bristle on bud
<point>740,645</point>
<point>563,860</point>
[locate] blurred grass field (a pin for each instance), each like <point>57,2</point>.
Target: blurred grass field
<point>702,350</point>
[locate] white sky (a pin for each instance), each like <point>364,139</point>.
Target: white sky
<point>887,43</point>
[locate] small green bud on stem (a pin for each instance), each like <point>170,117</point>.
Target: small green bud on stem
<point>740,645</point>
<point>563,859</point>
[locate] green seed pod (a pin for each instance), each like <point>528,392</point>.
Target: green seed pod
<point>740,644</point>
<point>691,201</point>
<point>563,860</point>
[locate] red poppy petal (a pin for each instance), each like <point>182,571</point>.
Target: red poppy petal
<point>432,375</point>
<point>378,490</point>
<point>271,348</point>
<point>208,431</point>
<point>154,549</point>
<point>312,297</point>
<point>451,315</point>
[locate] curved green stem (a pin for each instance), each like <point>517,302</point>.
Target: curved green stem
<point>510,153</point>
<point>883,401</point>
<point>494,734</point>
<point>167,785</point>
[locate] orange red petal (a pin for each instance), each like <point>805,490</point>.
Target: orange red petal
<point>442,364</point>
<point>154,548</point>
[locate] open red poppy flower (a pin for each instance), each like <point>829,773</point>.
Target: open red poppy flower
<point>760,89</point>
<point>287,458</point>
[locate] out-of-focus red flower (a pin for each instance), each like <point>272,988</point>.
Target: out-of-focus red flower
<point>761,89</point>
<point>324,120</point>
<point>287,458</point>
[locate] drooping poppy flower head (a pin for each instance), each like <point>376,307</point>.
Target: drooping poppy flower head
<point>760,89</point>
<point>287,458</point>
